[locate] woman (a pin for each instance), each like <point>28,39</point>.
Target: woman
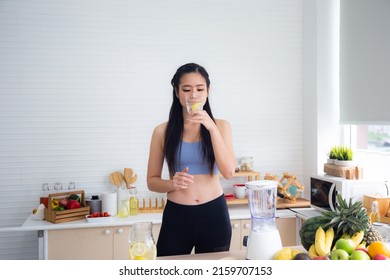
<point>196,148</point>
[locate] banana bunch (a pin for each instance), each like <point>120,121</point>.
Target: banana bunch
<point>324,239</point>
<point>322,243</point>
<point>357,238</point>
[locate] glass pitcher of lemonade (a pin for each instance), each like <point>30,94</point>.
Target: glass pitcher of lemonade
<point>142,246</point>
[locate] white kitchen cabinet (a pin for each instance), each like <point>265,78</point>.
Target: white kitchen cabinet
<point>241,228</point>
<point>98,243</point>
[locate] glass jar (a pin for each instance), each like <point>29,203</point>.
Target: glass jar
<point>142,246</point>
<point>246,164</point>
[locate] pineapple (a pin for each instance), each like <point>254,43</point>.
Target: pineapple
<point>371,235</point>
<point>348,218</point>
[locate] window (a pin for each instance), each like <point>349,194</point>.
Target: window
<point>371,145</point>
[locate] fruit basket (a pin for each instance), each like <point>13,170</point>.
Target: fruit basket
<point>67,215</point>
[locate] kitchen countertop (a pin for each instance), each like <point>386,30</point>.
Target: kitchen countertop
<point>227,255</point>
<point>236,212</point>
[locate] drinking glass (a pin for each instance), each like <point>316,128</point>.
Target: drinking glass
<point>194,103</point>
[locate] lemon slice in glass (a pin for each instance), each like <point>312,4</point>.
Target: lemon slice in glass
<point>138,249</point>
<point>197,106</point>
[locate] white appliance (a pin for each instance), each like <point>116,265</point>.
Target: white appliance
<point>264,238</point>
<point>323,190</point>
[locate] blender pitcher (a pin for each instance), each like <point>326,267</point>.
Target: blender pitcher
<point>264,238</point>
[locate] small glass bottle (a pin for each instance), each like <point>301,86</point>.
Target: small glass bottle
<point>124,203</point>
<point>134,205</point>
<point>71,186</point>
<point>57,187</point>
<point>44,199</point>
<point>374,216</point>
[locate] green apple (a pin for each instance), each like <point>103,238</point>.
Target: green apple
<point>338,254</point>
<point>346,244</point>
<point>360,255</point>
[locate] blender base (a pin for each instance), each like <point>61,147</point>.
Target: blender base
<point>263,245</point>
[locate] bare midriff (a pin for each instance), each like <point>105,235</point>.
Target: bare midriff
<point>205,188</point>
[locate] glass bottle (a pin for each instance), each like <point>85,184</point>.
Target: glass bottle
<point>71,186</point>
<point>374,216</point>
<point>44,199</point>
<point>57,187</point>
<point>134,204</point>
<point>123,203</point>
<point>142,246</point>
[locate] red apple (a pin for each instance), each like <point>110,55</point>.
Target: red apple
<point>63,202</point>
<point>363,249</point>
<point>380,257</point>
<point>320,258</point>
<point>360,255</point>
<point>346,244</point>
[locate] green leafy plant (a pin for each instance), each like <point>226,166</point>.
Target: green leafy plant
<point>343,153</point>
<point>332,154</point>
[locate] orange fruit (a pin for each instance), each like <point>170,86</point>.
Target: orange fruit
<point>378,247</point>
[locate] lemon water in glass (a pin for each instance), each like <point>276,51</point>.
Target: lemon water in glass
<point>194,103</point>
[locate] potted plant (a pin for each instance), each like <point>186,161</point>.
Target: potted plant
<point>332,155</point>
<point>344,156</point>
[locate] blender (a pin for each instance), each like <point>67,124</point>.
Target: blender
<point>264,238</point>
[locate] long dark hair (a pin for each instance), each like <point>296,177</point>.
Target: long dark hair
<point>175,126</point>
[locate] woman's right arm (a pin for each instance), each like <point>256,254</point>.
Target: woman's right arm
<point>156,161</point>
<point>155,165</point>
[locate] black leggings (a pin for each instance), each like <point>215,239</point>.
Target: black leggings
<point>206,226</point>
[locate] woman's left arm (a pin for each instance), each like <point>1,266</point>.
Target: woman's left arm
<point>221,138</point>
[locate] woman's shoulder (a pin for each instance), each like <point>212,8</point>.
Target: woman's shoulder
<point>160,129</point>
<point>222,123</point>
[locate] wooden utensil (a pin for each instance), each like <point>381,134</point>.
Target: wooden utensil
<point>116,178</point>
<point>130,177</point>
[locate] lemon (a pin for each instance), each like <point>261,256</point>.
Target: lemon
<point>195,106</point>
<point>286,253</point>
<point>138,249</point>
<point>139,258</point>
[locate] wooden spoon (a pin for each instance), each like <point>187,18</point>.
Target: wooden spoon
<point>129,177</point>
<point>116,178</point>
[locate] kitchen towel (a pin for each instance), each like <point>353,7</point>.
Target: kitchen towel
<point>109,203</point>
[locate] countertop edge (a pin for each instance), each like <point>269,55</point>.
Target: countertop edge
<point>236,213</point>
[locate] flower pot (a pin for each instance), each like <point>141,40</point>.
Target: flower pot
<point>330,160</point>
<point>344,162</point>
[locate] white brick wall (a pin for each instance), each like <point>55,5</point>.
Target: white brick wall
<point>83,84</point>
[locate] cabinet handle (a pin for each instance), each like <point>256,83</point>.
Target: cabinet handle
<point>235,225</point>
<point>247,226</point>
<point>120,230</point>
<point>107,232</point>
